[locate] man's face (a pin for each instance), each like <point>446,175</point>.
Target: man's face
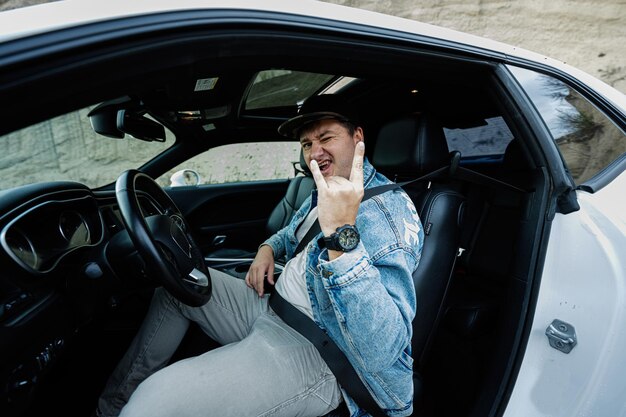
<point>330,144</point>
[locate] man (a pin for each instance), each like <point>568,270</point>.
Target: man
<point>356,284</point>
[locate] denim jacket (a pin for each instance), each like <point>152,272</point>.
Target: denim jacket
<point>365,299</point>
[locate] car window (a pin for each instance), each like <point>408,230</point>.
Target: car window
<point>587,139</point>
<point>237,162</point>
<point>66,148</point>
<point>484,143</point>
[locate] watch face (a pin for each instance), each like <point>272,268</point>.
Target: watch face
<point>348,238</point>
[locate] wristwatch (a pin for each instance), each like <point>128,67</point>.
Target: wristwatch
<point>344,239</point>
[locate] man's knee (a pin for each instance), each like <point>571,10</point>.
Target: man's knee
<point>151,398</point>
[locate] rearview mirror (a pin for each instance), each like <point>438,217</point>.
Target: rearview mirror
<point>139,126</point>
<point>103,117</point>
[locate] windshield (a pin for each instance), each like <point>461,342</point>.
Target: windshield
<point>67,149</point>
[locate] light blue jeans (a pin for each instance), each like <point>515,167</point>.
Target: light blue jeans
<point>264,367</point>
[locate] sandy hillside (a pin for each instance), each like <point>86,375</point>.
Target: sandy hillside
<point>590,35</point>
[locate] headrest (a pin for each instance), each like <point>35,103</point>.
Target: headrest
<point>304,166</point>
<point>410,146</point>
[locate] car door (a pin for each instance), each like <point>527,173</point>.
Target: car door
<point>230,215</point>
<point>572,363</point>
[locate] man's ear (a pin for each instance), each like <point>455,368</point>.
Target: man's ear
<point>358,136</point>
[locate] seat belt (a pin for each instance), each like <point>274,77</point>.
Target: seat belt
<point>333,356</point>
<point>329,351</point>
<point>368,193</point>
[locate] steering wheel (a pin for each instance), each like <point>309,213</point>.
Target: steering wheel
<point>163,240</point>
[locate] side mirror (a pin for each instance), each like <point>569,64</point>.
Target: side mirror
<point>139,126</point>
<point>185,177</point>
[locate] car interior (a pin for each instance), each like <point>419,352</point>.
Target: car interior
<point>444,123</point>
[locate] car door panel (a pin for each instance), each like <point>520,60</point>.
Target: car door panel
<point>230,215</point>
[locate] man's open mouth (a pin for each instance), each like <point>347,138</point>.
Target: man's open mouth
<point>324,166</point>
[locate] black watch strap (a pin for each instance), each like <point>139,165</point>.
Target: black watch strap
<point>330,242</point>
<point>344,239</point>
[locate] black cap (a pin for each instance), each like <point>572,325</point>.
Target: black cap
<point>322,107</point>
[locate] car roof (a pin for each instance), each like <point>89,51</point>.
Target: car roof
<point>33,20</point>
<point>59,15</point>
<point>45,18</point>
<point>68,13</point>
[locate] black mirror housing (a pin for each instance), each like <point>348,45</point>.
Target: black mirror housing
<point>139,126</point>
<point>103,118</point>
<point>125,115</point>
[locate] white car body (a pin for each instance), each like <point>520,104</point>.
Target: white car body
<point>584,284</point>
<point>583,281</point>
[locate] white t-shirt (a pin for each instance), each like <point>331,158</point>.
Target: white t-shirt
<point>291,283</point>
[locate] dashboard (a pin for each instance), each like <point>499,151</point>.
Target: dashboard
<point>57,237</point>
<point>42,232</point>
<point>39,238</point>
<point>58,264</point>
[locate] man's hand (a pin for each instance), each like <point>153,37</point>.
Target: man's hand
<point>262,267</point>
<point>339,198</point>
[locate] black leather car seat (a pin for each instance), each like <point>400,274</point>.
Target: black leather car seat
<point>408,148</point>
<point>488,260</point>
<point>299,189</point>
<point>479,321</point>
